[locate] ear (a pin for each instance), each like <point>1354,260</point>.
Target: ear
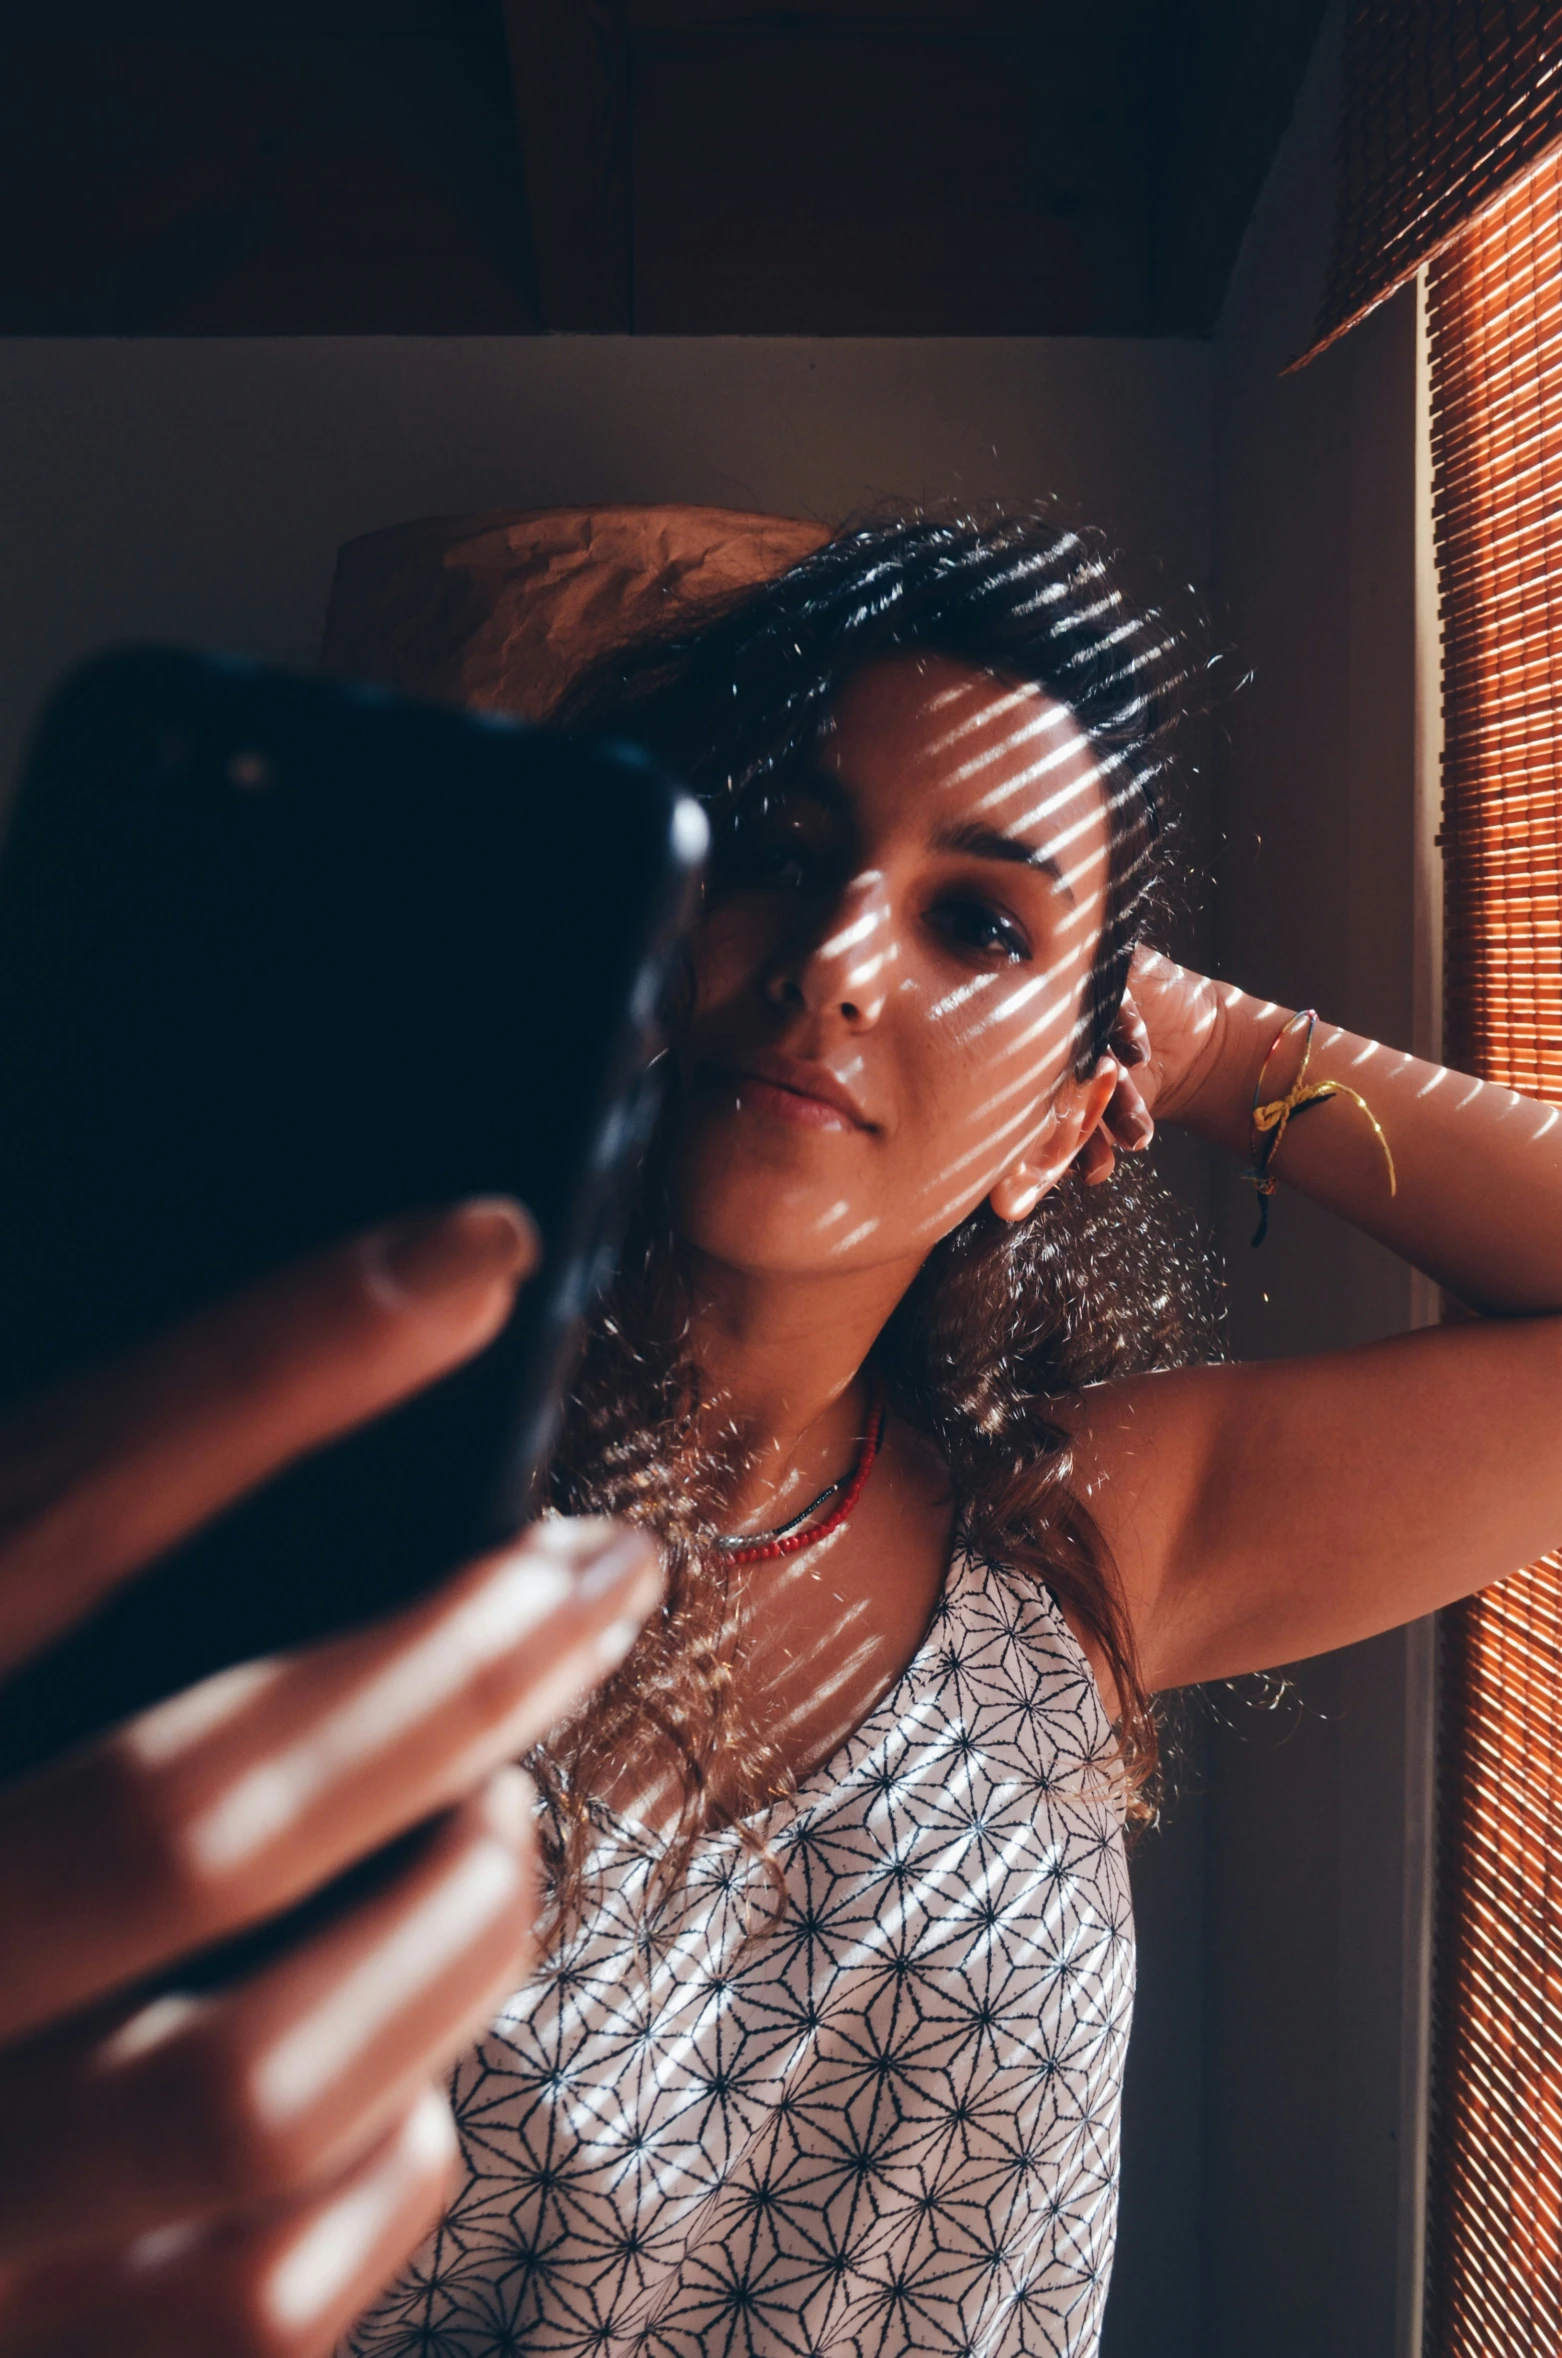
<point>1076,1112</point>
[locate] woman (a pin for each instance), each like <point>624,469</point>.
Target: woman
<point>837,2071</point>
<point>828,2050</point>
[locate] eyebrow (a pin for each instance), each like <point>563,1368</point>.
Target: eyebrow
<point>985,843</point>
<point>965,835</point>
<point>821,786</point>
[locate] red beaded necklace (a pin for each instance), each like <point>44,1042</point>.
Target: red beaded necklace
<point>786,1539</point>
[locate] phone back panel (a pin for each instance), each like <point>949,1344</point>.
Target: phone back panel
<point>280,960</point>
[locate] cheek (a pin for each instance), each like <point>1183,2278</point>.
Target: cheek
<point>1021,1032</point>
<point>731,947</point>
<point>713,958</point>
<point>986,1077</point>
<point>998,1055</point>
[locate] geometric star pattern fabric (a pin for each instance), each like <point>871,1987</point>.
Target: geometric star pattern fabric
<point>885,2121</point>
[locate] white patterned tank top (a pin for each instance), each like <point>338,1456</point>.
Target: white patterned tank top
<point>887,2125</point>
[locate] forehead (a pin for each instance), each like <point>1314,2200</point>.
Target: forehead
<point>930,740</point>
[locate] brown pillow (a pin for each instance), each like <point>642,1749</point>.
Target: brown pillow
<point>502,610</point>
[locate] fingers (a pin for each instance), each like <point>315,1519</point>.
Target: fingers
<point>1096,1159</point>
<point>285,2284</point>
<point>1127,1118</point>
<point>1131,1034</point>
<point>255,2093</point>
<point>1124,1125</point>
<point>111,1470</point>
<point>229,1803</point>
<point>1124,1128</point>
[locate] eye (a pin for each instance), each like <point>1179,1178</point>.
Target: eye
<point>976,928</point>
<point>783,864</point>
<point>770,854</point>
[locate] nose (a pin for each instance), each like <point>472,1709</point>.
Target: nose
<point>844,966</point>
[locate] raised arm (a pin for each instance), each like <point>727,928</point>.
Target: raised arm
<point>1261,1513</point>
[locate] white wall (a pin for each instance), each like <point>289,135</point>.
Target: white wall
<point>197,490</point>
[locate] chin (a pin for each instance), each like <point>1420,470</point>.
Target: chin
<point>774,1240</point>
<point>747,1213</point>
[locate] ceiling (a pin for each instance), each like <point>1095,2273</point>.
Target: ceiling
<point>442,167</point>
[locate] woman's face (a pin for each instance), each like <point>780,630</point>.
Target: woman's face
<point>887,979</point>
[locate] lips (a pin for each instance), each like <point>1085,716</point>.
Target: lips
<point>792,1090</point>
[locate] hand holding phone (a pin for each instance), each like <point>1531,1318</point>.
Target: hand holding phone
<point>280,960</point>
<point>188,2167</point>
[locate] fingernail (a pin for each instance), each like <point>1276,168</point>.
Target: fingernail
<point>631,1552</point>
<point>159,2247</point>
<point>510,1802</point>
<point>614,1642</point>
<point>518,1596</point>
<point>601,1552</point>
<point>433,1252</point>
<point>315,2269</point>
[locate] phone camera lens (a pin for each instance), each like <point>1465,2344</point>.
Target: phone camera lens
<point>250,772</point>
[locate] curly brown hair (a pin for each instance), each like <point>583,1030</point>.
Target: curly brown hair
<point>1004,1320</point>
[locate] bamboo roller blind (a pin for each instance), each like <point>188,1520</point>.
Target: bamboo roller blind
<point>1495,2241</point>
<point>1444,101</point>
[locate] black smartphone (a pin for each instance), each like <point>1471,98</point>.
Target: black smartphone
<point>279,960</point>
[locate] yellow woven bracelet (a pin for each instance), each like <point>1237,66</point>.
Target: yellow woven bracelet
<point>1272,1118</point>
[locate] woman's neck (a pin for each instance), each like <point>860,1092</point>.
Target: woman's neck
<point>784,1357</point>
